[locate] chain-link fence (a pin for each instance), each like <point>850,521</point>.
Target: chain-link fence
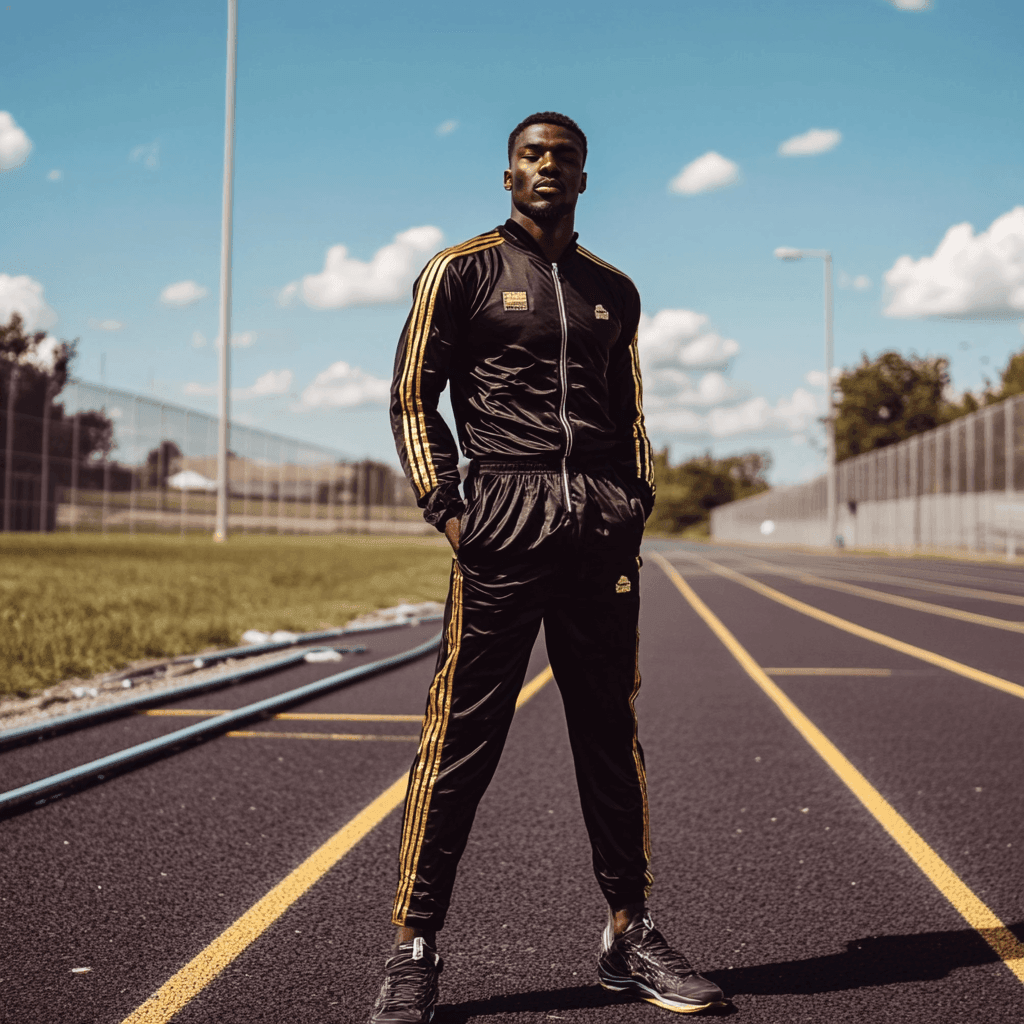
<point>958,487</point>
<point>99,459</point>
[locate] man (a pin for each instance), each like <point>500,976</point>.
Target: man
<point>537,338</point>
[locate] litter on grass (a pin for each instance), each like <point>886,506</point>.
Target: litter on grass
<point>80,970</point>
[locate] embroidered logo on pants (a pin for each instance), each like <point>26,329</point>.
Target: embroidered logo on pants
<point>514,300</point>
<point>623,586</point>
<point>600,312</point>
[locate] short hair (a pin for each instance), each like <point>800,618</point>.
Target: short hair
<point>547,117</point>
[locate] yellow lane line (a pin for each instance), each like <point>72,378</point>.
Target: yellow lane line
<point>320,736</point>
<point>997,683</point>
<point>906,602</point>
<point>829,671</point>
<point>976,913</point>
<point>949,589</point>
<point>181,988</point>
<point>530,688</point>
<point>288,717</point>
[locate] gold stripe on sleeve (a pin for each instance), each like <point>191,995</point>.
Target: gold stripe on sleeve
<point>644,462</point>
<point>601,263</point>
<point>413,420</point>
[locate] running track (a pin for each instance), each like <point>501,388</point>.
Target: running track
<point>835,749</point>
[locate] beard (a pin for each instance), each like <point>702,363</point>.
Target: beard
<point>543,211</point>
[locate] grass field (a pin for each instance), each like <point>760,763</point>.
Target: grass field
<point>73,606</point>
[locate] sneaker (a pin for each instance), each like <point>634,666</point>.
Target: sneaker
<point>408,993</point>
<point>641,961</point>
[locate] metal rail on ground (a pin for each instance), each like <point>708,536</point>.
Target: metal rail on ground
<point>35,794</point>
<point>37,731</point>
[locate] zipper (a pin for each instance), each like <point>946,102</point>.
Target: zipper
<point>564,375</point>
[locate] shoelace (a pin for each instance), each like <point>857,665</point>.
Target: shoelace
<point>652,946</point>
<point>408,977</point>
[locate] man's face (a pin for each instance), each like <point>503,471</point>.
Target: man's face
<point>546,176</point>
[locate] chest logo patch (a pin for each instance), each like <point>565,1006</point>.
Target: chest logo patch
<point>514,301</point>
<point>623,585</point>
<point>600,313</point>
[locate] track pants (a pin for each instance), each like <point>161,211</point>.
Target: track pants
<point>528,556</point>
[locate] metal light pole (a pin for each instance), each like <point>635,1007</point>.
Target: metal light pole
<point>785,253</point>
<point>221,529</point>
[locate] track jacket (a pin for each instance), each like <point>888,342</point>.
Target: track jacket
<point>542,361</point>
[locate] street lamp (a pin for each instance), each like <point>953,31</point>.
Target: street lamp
<point>786,253</point>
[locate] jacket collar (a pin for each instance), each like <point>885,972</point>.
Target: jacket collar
<point>520,237</point>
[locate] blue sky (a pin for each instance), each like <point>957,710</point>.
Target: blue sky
<point>340,143</point>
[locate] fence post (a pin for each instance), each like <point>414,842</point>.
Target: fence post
<point>989,441</point>
<point>245,484</point>
<point>312,498</point>
<point>161,464</point>
<point>332,526</point>
<point>106,476</point>
<point>12,396</point>
<point>76,431</point>
<point>1008,434</point>
<point>133,493</point>
<point>44,467</point>
<point>280,496</point>
<point>265,514</point>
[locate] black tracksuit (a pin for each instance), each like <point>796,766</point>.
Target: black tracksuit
<point>545,386</point>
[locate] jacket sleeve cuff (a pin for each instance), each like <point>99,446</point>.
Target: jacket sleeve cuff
<point>444,504</point>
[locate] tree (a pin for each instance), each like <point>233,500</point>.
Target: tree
<point>39,366</point>
<point>688,492</point>
<point>160,463</point>
<point>890,398</point>
<point>1012,379</point>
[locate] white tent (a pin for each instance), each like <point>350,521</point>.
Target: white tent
<point>190,480</point>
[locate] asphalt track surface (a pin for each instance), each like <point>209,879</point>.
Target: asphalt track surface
<point>780,883</point>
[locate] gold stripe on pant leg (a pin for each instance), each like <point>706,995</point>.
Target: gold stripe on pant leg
<point>437,708</point>
<point>428,765</point>
<point>641,773</point>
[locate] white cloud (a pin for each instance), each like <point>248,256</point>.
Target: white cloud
<point>860,282</point>
<point>707,172</point>
<point>386,278</point>
<point>55,175</point>
<point>105,325</point>
<point>183,293</point>
<point>273,382</point>
<point>15,145</point>
<point>816,378</point>
<point>792,415</point>
<point>23,295</point>
<point>148,155</point>
<point>669,388</point>
<point>342,386</point>
<point>447,127</point>
<point>968,276</point>
<point>44,355</point>
<point>757,415</point>
<point>812,142</point>
<point>672,342</point>
<point>911,5</point>
<point>246,339</point>
<point>676,337</point>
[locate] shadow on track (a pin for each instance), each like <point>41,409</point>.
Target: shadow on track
<point>580,997</point>
<point>875,960</point>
